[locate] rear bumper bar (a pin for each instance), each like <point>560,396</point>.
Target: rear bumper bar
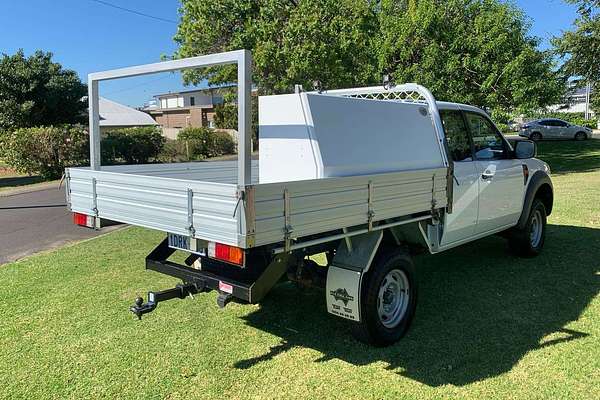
<point>210,281</point>
<point>157,261</point>
<point>251,292</point>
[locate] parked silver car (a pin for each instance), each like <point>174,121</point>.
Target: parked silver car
<point>551,128</point>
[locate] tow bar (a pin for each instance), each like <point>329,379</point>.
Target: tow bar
<point>180,291</point>
<point>198,281</point>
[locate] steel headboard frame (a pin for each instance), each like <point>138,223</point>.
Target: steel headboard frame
<point>405,93</point>
<point>243,60</point>
<point>409,93</point>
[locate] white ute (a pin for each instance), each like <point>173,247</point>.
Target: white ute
<point>361,175</point>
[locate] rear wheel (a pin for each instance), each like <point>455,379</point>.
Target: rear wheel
<point>580,136</point>
<point>388,299</point>
<point>536,136</point>
<point>529,241</point>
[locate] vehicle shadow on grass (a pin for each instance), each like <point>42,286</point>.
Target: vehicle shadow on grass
<point>480,311</point>
<point>570,156</point>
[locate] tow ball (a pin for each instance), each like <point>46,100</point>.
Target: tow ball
<point>180,291</point>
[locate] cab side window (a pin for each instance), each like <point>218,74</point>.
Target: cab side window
<point>487,142</point>
<point>457,135</point>
<point>560,124</point>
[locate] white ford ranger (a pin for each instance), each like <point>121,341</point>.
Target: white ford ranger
<point>361,175</point>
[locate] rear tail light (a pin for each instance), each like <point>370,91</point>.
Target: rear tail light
<point>224,252</point>
<point>83,220</point>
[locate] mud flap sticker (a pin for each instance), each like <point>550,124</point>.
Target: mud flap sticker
<point>343,293</point>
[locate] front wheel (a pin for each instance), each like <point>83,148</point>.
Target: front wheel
<point>580,136</point>
<point>529,241</point>
<point>388,299</point>
<point>536,137</point>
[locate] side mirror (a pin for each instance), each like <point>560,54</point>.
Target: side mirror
<point>525,149</point>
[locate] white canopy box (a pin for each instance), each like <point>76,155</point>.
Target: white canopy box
<point>311,135</point>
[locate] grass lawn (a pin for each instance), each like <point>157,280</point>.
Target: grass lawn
<point>488,325</point>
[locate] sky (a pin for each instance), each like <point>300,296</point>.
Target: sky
<point>88,36</point>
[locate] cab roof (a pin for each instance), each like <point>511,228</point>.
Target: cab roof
<point>444,105</point>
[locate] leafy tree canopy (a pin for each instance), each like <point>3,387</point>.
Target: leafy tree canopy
<point>293,42</point>
<point>475,51</point>
<point>36,91</point>
<point>580,47</point>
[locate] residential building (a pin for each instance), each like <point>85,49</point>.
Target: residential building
<point>178,110</point>
<point>574,102</point>
<point>114,115</point>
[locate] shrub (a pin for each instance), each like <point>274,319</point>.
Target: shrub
<point>132,145</point>
<point>226,117</point>
<point>173,151</point>
<point>223,143</point>
<point>46,151</point>
<point>503,127</point>
<point>203,143</point>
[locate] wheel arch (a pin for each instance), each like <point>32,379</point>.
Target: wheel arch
<point>540,187</point>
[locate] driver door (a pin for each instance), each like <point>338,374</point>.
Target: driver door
<point>501,184</point>
<point>460,224</point>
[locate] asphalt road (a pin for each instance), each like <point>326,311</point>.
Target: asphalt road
<point>36,221</point>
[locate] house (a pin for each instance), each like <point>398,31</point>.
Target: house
<point>574,101</point>
<point>114,116</point>
<point>178,110</point>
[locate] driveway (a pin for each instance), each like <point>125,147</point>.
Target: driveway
<point>32,221</point>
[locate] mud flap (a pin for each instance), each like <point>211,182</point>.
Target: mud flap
<point>351,261</point>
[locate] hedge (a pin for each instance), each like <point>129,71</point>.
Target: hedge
<point>202,143</point>
<point>46,150</point>
<point>132,145</point>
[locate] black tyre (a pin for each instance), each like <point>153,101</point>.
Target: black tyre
<point>536,136</point>
<point>580,136</point>
<point>388,299</point>
<point>529,241</point>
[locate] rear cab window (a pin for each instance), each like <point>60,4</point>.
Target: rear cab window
<point>457,135</point>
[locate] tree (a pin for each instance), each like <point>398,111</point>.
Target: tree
<point>293,42</point>
<point>36,91</point>
<point>580,47</point>
<point>472,51</point>
<point>226,116</point>
<point>475,51</point>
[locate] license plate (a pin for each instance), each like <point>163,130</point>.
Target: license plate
<point>179,241</point>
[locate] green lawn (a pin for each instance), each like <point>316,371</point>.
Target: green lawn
<point>488,325</point>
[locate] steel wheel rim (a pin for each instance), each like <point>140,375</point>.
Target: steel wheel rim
<point>535,235</point>
<point>393,298</point>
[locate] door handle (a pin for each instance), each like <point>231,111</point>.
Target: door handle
<point>487,175</point>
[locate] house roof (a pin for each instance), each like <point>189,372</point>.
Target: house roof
<point>115,114</point>
<point>206,90</point>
